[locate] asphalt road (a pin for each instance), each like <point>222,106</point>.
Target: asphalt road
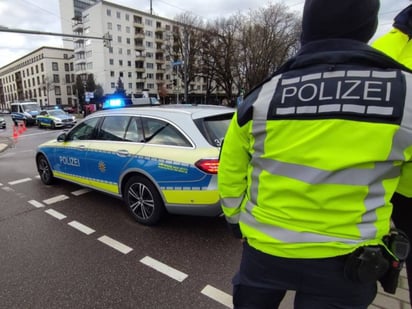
<point>63,246</point>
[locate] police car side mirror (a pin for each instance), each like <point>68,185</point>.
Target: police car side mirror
<point>62,137</point>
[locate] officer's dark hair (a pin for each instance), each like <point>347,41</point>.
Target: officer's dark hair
<point>339,19</point>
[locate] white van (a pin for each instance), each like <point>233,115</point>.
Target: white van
<point>25,111</point>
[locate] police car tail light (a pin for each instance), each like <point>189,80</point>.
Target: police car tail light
<point>209,166</point>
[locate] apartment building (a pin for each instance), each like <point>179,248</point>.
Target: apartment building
<point>71,9</point>
<point>45,75</point>
<point>139,53</point>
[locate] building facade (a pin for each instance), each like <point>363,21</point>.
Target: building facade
<point>139,52</point>
<point>45,75</point>
<point>72,10</point>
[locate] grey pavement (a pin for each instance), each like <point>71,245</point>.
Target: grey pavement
<point>5,142</point>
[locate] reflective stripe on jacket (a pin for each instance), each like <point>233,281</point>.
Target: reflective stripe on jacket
<point>313,155</point>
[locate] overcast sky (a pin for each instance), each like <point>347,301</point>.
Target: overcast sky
<point>44,16</point>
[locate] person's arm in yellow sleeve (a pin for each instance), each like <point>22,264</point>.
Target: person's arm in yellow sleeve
<point>232,173</point>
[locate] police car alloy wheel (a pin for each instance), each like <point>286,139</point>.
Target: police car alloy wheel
<point>45,172</point>
<point>143,200</point>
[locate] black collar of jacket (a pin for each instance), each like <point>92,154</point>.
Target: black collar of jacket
<point>330,51</point>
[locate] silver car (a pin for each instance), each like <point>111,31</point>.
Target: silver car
<point>2,123</point>
<point>158,159</point>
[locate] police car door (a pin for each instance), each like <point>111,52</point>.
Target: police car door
<point>70,157</point>
<point>118,141</point>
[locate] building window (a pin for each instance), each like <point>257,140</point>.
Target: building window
<point>69,90</point>
<point>148,22</point>
<point>119,39</point>
<point>149,65</point>
<point>127,16</point>
<point>128,41</point>
<point>66,67</point>
<point>57,90</point>
<point>109,12</point>
<point>130,85</point>
<point>119,27</point>
<point>111,73</point>
<point>111,61</point>
<point>127,29</point>
<point>55,66</point>
<point>112,85</point>
<point>56,78</point>
<point>120,62</point>
<point>118,15</point>
<point>109,26</point>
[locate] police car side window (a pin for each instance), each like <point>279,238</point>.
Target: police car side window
<point>159,132</point>
<point>113,128</point>
<point>134,131</point>
<point>84,131</point>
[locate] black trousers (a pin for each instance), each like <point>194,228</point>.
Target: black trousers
<point>263,280</point>
<point>402,217</point>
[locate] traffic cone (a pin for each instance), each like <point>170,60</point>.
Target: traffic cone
<point>15,132</point>
<point>20,128</point>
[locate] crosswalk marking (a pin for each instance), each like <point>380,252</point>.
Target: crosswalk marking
<point>55,214</point>
<point>218,295</point>
<point>81,227</point>
<point>55,199</point>
<point>36,203</point>
<point>115,244</point>
<point>81,191</point>
<point>15,182</point>
<point>164,269</point>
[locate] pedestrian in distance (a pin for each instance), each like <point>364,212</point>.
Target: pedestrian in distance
<point>398,45</point>
<point>310,162</point>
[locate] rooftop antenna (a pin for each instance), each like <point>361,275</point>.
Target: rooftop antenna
<point>151,8</point>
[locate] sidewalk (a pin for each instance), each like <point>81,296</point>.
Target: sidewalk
<point>5,142</point>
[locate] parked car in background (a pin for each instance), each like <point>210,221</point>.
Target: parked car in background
<point>26,111</point>
<point>2,123</point>
<point>55,118</point>
<point>159,159</point>
<point>68,109</point>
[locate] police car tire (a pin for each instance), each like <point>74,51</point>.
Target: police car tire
<point>39,124</point>
<point>44,169</point>
<point>145,196</point>
<point>53,125</point>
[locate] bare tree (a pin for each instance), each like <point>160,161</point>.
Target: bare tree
<point>269,37</point>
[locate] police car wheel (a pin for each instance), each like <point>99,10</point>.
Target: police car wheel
<point>143,200</point>
<point>39,124</point>
<point>53,125</point>
<point>45,172</point>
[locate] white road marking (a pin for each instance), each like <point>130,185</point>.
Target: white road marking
<point>81,227</point>
<point>115,244</point>
<point>218,295</point>
<point>164,269</point>
<point>55,199</point>
<point>81,191</point>
<point>55,214</point>
<point>8,189</point>
<point>12,183</point>
<point>1,184</point>
<point>36,204</point>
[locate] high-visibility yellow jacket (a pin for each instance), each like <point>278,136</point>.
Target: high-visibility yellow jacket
<point>314,154</point>
<point>397,45</point>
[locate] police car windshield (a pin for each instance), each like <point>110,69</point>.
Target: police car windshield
<point>29,107</point>
<point>56,112</point>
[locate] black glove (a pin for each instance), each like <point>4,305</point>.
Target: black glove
<point>235,229</point>
<point>403,21</point>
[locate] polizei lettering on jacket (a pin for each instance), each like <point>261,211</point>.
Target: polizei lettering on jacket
<point>339,94</point>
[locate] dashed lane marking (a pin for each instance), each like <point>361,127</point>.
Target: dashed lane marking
<point>55,199</point>
<point>8,189</point>
<point>115,244</point>
<point>81,191</point>
<point>218,295</point>
<point>164,269</point>
<point>36,203</point>
<point>55,214</point>
<point>81,227</point>
<point>15,182</point>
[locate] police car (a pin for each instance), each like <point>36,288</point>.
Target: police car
<point>158,159</point>
<point>55,118</point>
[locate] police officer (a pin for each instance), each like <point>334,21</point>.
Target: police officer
<point>310,162</point>
<point>397,44</point>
